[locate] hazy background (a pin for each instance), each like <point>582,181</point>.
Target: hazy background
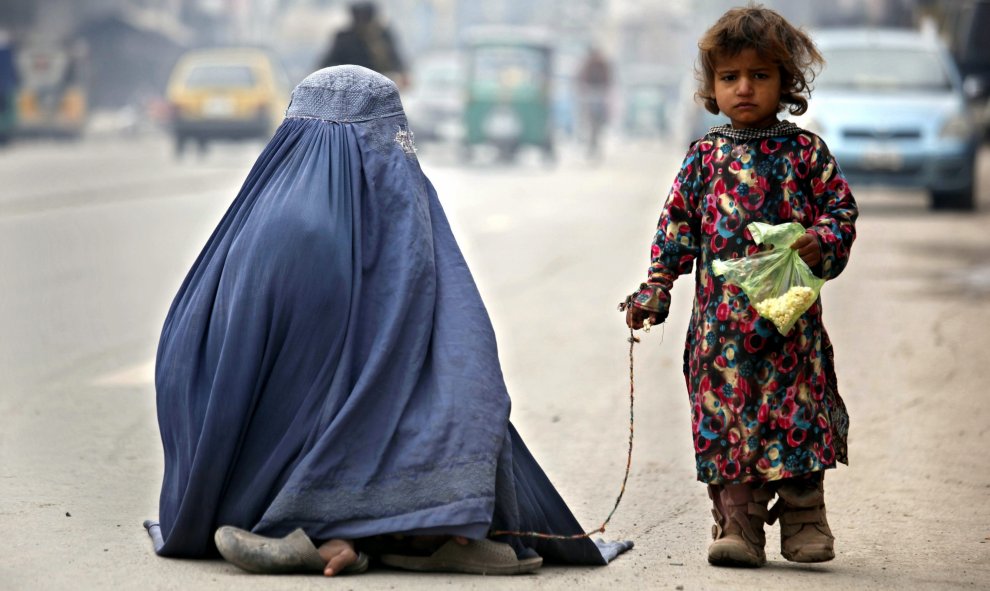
<point>126,48</point>
<point>101,218</point>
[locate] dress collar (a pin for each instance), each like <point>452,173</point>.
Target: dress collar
<point>776,130</point>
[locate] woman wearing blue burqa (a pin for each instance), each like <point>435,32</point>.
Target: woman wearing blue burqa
<point>327,378</point>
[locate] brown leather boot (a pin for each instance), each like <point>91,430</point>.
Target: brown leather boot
<point>740,510</point>
<point>804,532</point>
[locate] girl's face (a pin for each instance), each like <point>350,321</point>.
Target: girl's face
<point>747,89</point>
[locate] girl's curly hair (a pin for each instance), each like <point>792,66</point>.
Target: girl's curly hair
<point>774,39</point>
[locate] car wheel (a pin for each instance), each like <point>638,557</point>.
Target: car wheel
<point>961,200</point>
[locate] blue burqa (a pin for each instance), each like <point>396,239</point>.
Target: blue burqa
<point>328,363</point>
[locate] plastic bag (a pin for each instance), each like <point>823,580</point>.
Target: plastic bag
<point>778,283</point>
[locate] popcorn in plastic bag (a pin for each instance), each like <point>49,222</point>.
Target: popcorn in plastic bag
<point>778,283</point>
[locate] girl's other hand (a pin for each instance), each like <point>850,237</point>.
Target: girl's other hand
<point>635,317</point>
<point>808,248</point>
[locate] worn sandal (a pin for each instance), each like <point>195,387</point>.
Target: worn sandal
<point>295,553</point>
<point>478,557</point>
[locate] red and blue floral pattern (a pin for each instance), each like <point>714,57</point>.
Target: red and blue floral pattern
<point>764,406</point>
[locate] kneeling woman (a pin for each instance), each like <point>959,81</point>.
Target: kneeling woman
<point>327,378</point>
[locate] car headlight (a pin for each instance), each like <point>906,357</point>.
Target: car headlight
<point>957,127</point>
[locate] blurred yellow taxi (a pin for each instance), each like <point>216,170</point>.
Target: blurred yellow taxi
<point>226,94</point>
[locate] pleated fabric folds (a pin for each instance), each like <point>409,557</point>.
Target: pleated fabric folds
<point>328,362</point>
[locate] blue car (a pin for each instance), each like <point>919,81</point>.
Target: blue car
<point>891,107</point>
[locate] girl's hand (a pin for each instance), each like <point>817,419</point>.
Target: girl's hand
<point>808,248</point>
<point>635,317</point>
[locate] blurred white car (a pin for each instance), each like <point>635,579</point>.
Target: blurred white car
<point>891,108</point>
<point>434,103</point>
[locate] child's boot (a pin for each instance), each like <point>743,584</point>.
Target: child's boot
<point>740,511</point>
<point>804,532</point>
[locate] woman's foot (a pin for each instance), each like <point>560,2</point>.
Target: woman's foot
<point>338,554</point>
<point>294,553</point>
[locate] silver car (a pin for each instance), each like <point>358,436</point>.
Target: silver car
<point>891,108</point>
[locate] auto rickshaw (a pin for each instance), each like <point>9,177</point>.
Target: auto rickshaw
<point>508,91</point>
<point>52,100</point>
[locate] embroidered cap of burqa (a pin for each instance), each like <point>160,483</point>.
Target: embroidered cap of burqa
<point>328,362</point>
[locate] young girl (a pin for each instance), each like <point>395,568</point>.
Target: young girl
<point>766,415</point>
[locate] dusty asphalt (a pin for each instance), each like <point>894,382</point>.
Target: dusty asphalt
<point>553,252</point>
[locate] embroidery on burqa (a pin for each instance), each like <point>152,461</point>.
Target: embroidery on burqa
<point>386,134</point>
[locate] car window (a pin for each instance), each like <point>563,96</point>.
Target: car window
<point>878,68</point>
<point>220,76</point>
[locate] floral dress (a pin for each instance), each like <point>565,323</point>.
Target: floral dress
<point>764,406</point>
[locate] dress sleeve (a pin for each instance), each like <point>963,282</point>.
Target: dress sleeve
<point>675,244</point>
<point>835,224</point>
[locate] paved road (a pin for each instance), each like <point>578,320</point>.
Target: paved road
<point>95,238</point>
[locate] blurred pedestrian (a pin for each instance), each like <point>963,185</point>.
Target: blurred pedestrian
<point>327,379</point>
<point>367,43</point>
<point>8,87</point>
<point>767,416</point>
<point>594,81</point>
